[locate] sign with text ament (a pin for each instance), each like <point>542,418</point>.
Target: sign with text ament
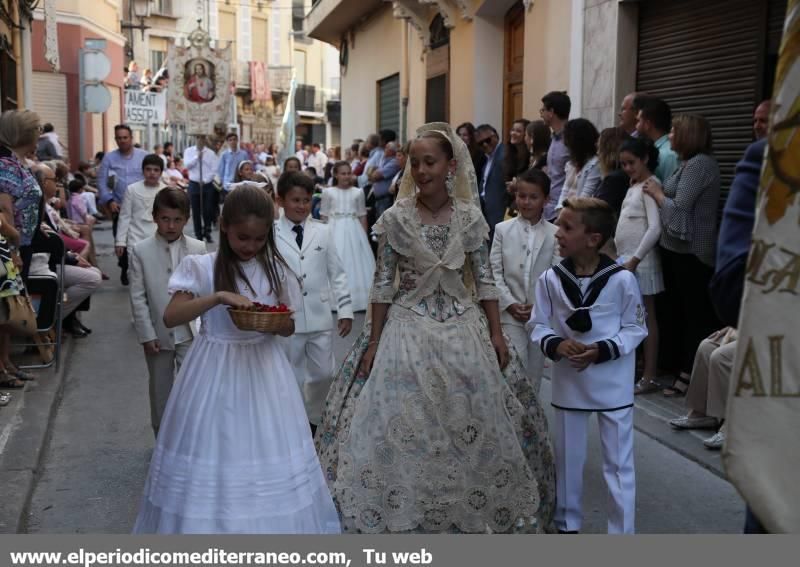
<point>145,107</point>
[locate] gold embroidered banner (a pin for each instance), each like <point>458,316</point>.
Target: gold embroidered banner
<point>762,453</point>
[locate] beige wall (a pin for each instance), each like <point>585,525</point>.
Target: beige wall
<point>416,84</point>
<point>374,55</point>
<point>462,72</point>
<point>103,13</point>
<point>547,52</point>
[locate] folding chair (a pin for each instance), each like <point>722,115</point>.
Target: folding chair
<point>47,295</point>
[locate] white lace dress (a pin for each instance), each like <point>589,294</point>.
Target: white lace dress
<point>638,231</point>
<point>344,209</point>
<point>437,439</point>
<point>234,452</point>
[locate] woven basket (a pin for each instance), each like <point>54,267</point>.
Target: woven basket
<point>258,320</point>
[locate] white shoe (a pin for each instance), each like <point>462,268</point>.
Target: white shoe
<point>716,441</point>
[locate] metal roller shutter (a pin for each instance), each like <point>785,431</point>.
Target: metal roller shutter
<point>704,58</point>
<point>389,104</point>
<point>50,101</point>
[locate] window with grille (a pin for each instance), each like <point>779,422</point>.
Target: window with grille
<point>389,103</point>
<point>157,59</point>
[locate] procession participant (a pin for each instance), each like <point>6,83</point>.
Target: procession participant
<point>423,430</point>
<point>523,248</point>
<point>309,248</point>
<point>152,261</point>
<point>118,170</point>
<point>344,208</point>
<point>234,453</point>
<point>589,319</point>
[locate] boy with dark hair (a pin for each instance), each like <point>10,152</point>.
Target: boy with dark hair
<point>589,318</point>
<point>523,248</point>
<point>153,260</point>
<point>135,220</point>
<point>308,248</point>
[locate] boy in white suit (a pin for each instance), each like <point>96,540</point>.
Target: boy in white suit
<point>307,246</point>
<point>589,318</point>
<point>523,248</point>
<point>152,262</point>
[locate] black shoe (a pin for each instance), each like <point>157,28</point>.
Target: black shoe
<point>83,327</point>
<point>209,239</point>
<point>70,325</point>
<point>123,278</point>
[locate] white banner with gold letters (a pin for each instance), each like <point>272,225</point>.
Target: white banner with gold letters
<point>762,453</point>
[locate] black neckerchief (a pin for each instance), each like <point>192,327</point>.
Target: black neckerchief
<point>581,320</point>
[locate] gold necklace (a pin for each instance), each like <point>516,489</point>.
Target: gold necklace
<point>434,214</point>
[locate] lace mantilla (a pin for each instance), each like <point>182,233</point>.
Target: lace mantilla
<point>402,228</point>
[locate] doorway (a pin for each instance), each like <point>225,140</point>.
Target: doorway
<point>514,65</point>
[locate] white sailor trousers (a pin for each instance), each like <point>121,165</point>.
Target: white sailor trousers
<point>616,438</point>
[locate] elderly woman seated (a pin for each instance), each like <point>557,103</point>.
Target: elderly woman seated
<point>80,278</point>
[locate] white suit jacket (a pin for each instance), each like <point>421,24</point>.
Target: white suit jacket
<point>320,271</point>
<point>521,252</point>
<point>150,271</point>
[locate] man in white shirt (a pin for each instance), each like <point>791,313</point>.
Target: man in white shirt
<point>318,160</point>
<point>202,164</point>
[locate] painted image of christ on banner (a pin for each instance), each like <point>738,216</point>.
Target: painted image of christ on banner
<point>199,86</point>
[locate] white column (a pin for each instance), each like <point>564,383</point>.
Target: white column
<point>27,67</point>
<point>576,59</point>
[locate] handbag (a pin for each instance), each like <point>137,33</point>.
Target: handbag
<point>21,316</point>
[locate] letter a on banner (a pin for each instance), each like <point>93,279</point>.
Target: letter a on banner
<point>762,455</point>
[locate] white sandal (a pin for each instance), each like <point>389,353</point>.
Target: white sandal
<point>5,398</point>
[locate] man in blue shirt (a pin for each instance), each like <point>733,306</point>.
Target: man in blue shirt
<point>654,121</point>
<point>118,170</point>
<point>382,177</point>
<point>556,106</point>
<point>230,160</point>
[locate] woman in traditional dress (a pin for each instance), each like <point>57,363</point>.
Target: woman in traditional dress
<point>431,424</point>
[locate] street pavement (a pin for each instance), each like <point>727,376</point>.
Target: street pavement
<point>94,466</point>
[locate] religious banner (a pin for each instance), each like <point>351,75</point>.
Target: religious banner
<point>762,453</point>
<point>200,79</point>
<point>259,83</point>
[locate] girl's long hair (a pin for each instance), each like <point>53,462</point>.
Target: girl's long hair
<point>517,158</point>
<point>240,204</point>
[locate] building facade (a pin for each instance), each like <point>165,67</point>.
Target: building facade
<point>408,62</point>
<point>55,90</point>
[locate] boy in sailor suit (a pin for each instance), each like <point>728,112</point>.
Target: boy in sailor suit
<point>307,246</point>
<point>589,318</point>
<point>523,248</point>
<point>152,262</point>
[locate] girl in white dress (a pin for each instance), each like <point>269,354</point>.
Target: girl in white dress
<point>234,453</point>
<point>344,208</point>
<point>638,231</point>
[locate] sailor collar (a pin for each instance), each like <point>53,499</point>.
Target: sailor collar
<point>581,320</point>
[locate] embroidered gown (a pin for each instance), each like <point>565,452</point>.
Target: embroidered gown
<point>233,453</point>
<point>344,208</point>
<point>437,439</point>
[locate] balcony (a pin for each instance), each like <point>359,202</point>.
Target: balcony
<point>280,78</point>
<point>328,20</point>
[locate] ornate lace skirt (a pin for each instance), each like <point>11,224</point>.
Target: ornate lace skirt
<point>437,439</point>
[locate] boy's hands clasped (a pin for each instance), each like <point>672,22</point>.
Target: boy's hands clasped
<point>580,356</point>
